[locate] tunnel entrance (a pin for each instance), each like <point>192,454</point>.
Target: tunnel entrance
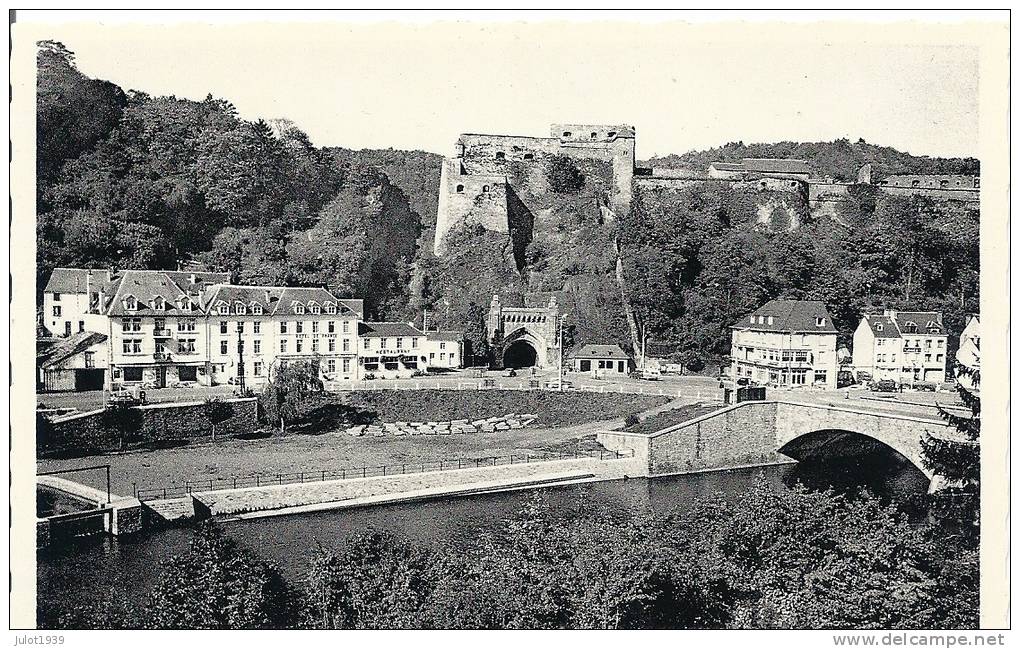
<point>520,353</point>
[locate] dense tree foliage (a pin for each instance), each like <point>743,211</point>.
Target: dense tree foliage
<point>774,558</point>
<point>131,180</point>
<point>699,258</point>
<point>289,391</point>
<point>840,159</point>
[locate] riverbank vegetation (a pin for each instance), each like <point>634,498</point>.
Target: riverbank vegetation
<point>771,559</point>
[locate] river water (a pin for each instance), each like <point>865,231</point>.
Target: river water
<point>90,566</point>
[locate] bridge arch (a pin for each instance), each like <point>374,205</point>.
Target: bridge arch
<point>828,443</point>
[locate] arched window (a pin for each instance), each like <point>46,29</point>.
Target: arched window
<point>943,184</point>
<point>460,189</point>
<point>567,133</point>
<point>485,189</point>
<point>182,303</point>
<point>594,135</point>
<point>330,308</point>
<point>500,155</point>
<point>916,183</point>
<point>130,304</point>
<point>158,304</point>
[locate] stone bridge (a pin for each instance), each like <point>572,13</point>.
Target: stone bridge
<point>757,433</point>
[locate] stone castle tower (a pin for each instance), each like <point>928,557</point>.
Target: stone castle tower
<point>474,186</point>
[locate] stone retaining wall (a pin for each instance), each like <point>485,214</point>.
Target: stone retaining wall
<point>236,501</point>
<point>456,426</point>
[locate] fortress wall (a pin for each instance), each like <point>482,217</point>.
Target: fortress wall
<point>466,199</point>
<point>967,195</point>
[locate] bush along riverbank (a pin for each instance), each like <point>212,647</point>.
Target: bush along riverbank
<point>770,559</point>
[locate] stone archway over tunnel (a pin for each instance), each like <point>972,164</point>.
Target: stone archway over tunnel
<point>520,353</point>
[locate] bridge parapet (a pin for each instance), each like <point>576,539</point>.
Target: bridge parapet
<point>755,433</point>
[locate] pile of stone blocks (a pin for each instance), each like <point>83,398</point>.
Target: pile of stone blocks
<point>454,427</point>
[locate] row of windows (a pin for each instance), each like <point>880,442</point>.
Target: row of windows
<point>240,308</point>
<point>299,326</point>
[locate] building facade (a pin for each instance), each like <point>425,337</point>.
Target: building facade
<point>254,329</point>
<point>902,346</point>
<point>786,343</point>
<point>601,361</point>
<point>392,350</point>
<point>445,349</point>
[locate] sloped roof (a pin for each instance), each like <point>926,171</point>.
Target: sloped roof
<point>388,329</point>
<point>63,348</point>
<point>146,285</point>
<point>265,296</point>
<point>919,318</point>
<point>788,316</point>
<point>357,306</point>
<point>728,166</point>
<point>601,351</point>
<point>291,296</point>
<point>75,280</point>
<point>776,165</point>
<point>451,336</point>
<point>888,326</point>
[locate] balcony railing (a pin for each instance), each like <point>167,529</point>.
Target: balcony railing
<point>161,333</point>
<point>161,357</point>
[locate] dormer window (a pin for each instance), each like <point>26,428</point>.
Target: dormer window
<point>910,327</point>
<point>256,309</point>
<point>879,327</point>
<point>330,308</point>
<point>182,303</point>
<point>223,309</point>
<point>240,309</point>
<point>819,322</point>
<point>316,309</point>
<point>158,304</point>
<point>299,309</point>
<point>770,320</point>
<point>933,327</point>
<point>761,319</point>
<point>130,303</point>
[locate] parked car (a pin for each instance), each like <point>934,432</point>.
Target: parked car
<point>885,385</point>
<point>924,386</point>
<point>127,397</point>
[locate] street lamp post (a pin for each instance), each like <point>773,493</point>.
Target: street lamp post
<point>240,356</point>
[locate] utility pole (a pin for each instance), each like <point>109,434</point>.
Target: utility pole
<point>560,372</point>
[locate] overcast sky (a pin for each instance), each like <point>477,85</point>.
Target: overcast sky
<point>684,87</point>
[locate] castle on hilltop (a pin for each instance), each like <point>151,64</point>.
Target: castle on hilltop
<point>480,182</point>
<point>474,186</point>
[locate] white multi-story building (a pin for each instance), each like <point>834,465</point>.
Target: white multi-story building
<point>444,349</point>
<point>66,299</point>
<point>786,343</point>
<point>391,350</point>
<point>969,353</point>
<point>253,329</point>
<point>902,346</point>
